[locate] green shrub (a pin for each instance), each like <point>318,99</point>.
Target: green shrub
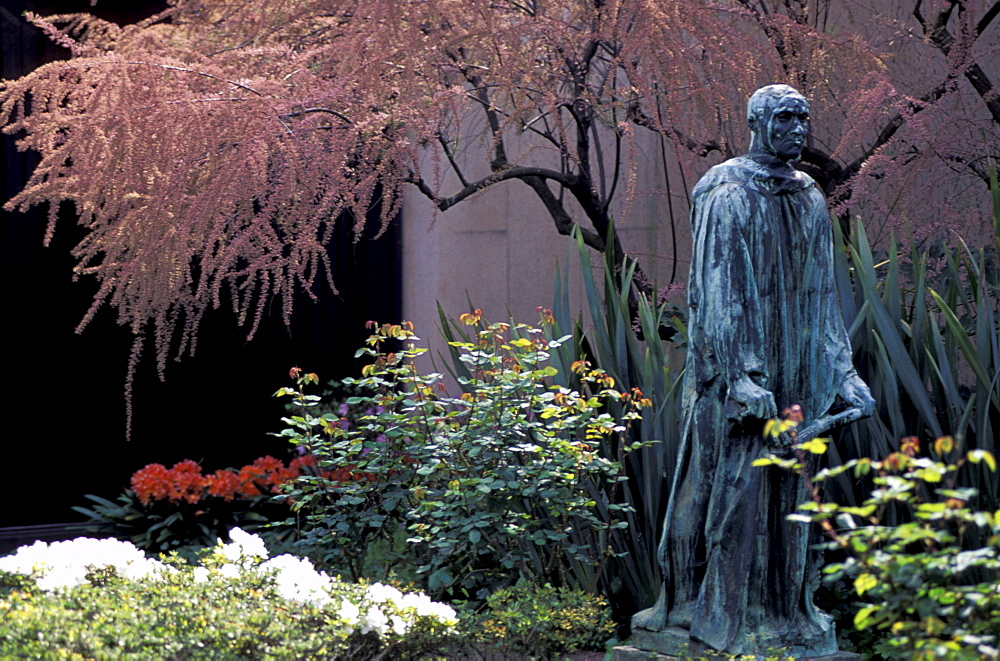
<point>233,606</point>
<point>505,481</point>
<point>921,582</point>
<point>542,622</point>
<point>624,339</point>
<point>925,328</point>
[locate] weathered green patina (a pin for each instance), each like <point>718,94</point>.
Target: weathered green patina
<point>766,332</point>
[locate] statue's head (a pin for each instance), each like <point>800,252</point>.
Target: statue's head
<point>778,117</point>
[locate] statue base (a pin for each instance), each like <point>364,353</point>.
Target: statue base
<point>676,643</point>
<point>629,653</point>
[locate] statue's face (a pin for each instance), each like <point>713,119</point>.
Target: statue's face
<point>788,126</point>
<point>784,128</point>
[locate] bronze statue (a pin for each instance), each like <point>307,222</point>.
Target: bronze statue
<point>766,332</point>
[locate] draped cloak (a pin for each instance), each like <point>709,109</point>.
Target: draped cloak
<point>763,304</point>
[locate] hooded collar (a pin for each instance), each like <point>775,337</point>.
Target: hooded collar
<point>759,172</point>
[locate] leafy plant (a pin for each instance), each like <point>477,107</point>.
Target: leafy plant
<point>932,592</point>
<point>541,621</point>
<point>166,509</point>
<point>927,341</point>
<point>624,338</point>
<point>505,481</point>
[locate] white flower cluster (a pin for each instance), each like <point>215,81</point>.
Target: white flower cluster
<point>66,564</point>
<point>389,609</point>
<point>243,552</point>
<point>382,609</point>
<point>298,580</point>
<point>244,547</point>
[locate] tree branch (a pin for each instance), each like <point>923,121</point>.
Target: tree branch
<point>772,33</point>
<point>700,149</point>
<point>445,203</point>
<point>827,172</point>
<point>328,111</point>
<point>987,18</point>
<point>564,224</point>
<point>499,152</point>
<point>451,159</point>
<point>897,121</point>
<point>937,34</point>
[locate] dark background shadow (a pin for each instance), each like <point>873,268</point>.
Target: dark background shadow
<point>64,404</point>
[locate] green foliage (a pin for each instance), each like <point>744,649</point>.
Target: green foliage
<point>161,526</point>
<point>625,342</point>
<point>926,333</point>
<point>921,582</point>
<point>229,607</point>
<point>505,481</point>
<point>180,615</point>
<point>541,622</point>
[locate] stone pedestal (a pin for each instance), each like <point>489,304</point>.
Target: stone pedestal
<point>629,653</point>
<point>676,643</point>
<point>682,648</point>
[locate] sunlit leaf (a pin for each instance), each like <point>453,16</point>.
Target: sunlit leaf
<point>864,617</point>
<point>976,456</point>
<point>815,445</point>
<point>944,444</point>
<point>864,582</point>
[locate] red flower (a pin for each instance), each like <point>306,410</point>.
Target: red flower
<point>267,464</point>
<point>223,484</point>
<point>248,482</point>
<point>257,477</point>
<point>299,465</point>
<point>282,476</point>
<point>151,483</point>
<point>187,482</point>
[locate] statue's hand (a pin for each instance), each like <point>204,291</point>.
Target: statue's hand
<point>855,392</point>
<point>753,400</point>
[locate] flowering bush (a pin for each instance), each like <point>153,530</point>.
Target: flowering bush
<point>235,603</point>
<point>922,562</point>
<point>508,480</point>
<point>181,506</point>
<point>68,564</point>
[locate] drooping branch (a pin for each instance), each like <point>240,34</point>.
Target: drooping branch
<point>760,11</point>
<point>827,172</point>
<point>186,191</point>
<point>988,18</point>
<point>897,121</point>
<point>700,149</point>
<point>451,159</point>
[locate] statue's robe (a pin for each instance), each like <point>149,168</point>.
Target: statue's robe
<point>763,304</point>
